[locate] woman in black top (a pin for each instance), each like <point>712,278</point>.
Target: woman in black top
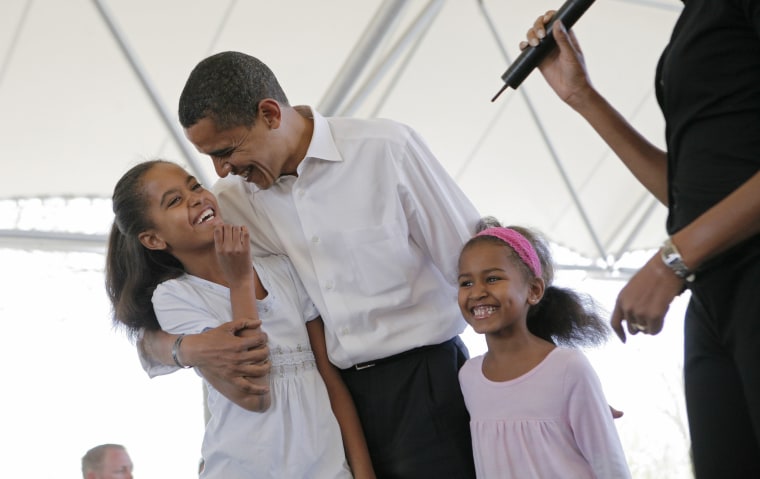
<point>708,87</point>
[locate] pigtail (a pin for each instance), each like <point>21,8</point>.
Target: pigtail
<point>133,271</point>
<point>130,296</point>
<point>568,318</point>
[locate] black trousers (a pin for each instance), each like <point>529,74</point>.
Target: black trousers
<point>413,413</point>
<point>722,368</point>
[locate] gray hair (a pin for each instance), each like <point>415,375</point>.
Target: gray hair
<point>93,459</point>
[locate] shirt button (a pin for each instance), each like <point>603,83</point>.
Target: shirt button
<point>301,193</point>
<point>330,284</point>
<point>315,239</point>
<point>344,331</point>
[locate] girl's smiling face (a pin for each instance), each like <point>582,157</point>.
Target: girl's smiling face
<point>495,292</point>
<point>182,212</point>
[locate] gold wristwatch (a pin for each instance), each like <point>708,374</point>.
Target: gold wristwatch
<point>673,260</point>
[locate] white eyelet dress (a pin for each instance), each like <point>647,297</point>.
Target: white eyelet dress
<point>298,437</point>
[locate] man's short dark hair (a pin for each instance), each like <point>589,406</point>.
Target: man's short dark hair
<point>227,88</point>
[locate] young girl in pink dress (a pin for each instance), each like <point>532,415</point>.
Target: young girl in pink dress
<point>536,409</point>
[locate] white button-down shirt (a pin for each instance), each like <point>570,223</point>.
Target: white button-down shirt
<point>373,225</point>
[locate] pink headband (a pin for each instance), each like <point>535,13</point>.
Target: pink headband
<point>517,242</point>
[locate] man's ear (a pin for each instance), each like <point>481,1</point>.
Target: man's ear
<point>270,112</point>
<point>151,240</point>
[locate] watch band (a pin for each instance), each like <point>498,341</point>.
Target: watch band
<point>673,260</point>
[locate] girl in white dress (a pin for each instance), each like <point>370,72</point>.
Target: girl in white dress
<point>536,410</point>
<point>172,263</point>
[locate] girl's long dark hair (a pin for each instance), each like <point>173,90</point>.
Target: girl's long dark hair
<point>563,316</point>
<point>133,271</point>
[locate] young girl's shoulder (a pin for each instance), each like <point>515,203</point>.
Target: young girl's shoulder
<point>183,285</point>
<point>188,292</point>
<point>474,361</point>
<point>472,366</point>
<point>573,360</point>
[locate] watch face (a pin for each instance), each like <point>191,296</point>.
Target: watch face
<point>672,259</point>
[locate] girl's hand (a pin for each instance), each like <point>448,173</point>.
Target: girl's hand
<point>563,67</point>
<point>234,252</point>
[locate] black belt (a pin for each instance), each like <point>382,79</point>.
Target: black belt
<point>410,352</point>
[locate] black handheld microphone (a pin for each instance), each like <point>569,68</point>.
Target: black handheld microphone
<point>568,14</point>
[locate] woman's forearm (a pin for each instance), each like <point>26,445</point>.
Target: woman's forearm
<point>648,163</point>
<point>734,219</point>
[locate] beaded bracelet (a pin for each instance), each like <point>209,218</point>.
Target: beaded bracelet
<point>175,352</point>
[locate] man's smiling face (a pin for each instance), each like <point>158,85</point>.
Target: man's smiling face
<point>251,152</point>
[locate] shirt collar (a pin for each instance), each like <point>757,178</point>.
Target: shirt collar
<point>322,145</point>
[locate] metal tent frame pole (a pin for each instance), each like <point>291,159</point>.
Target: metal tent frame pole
<point>552,152</point>
<point>169,121</point>
<point>412,35</point>
<point>363,51</point>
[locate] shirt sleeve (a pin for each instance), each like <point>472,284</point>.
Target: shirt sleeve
<point>441,217</point>
<point>153,368</point>
<point>305,305</point>
<point>178,312</point>
<point>591,420</point>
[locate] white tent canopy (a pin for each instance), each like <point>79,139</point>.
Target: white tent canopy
<point>90,87</point>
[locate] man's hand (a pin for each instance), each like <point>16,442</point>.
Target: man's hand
<point>616,413</point>
<point>223,355</point>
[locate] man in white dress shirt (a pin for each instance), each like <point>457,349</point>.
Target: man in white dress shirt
<point>373,225</point>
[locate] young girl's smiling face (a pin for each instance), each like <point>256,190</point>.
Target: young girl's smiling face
<point>183,213</point>
<point>495,292</point>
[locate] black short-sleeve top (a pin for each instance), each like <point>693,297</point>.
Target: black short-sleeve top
<point>708,87</point>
